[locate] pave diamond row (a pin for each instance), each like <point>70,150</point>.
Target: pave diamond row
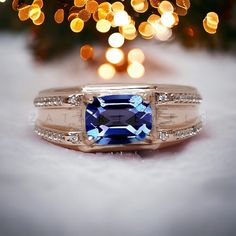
<point>49,101</point>
<point>75,138</point>
<point>76,99</point>
<point>178,134</point>
<point>58,137</point>
<point>166,98</point>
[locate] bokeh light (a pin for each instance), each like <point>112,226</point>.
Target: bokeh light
<point>121,18</point>
<point>104,16</point>
<point>59,16</point>
<point>168,19</point>
<point>77,25</point>
<point>103,25</point>
<point>210,22</point>
<point>106,71</point>
<point>114,55</point>
<point>136,55</point>
<point>86,52</point>
<point>116,40</point>
<point>135,70</point>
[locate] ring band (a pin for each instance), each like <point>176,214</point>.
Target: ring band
<point>104,118</point>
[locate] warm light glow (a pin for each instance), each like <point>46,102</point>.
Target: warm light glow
<point>84,15</point>
<point>101,14</point>
<point>79,3</point>
<point>154,3</point>
<point>77,25</point>
<point>160,17</point>
<point>185,4</point>
<point>212,20</point>
<point>168,19</point>
<point>106,71</point>
<point>153,19</point>
<point>38,2</point>
<point>136,55</point>
<point>34,12</point>
<point>140,6</point>
<point>137,4</point>
<point>165,6</point>
<point>146,30</point>
<point>23,13</point>
<point>115,55</point>
<point>59,16</point>
<point>86,52</point>
<point>91,6</point>
<point>117,6</point>
<point>210,23</point>
<point>162,33</point>
<point>121,18</point>
<point>105,6</point>
<point>103,25</point>
<point>2,1</point>
<point>181,11</point>
<point>40,20</point>
<point>128,31</point>
<point>135,70</point>
<point>116,40</point>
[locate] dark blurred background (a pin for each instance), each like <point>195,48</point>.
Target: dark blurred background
<point>51,39</point>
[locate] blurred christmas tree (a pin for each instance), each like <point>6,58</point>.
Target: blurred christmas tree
<point>50,39</point>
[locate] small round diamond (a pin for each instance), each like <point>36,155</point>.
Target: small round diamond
<point>163,135</point>
<point>73,138</point>
<point>163,97</point>
<point>74,99</point>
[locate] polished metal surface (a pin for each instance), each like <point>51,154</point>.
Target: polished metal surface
<point>175,116</point>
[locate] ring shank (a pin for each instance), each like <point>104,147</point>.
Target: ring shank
<point>175,112</point>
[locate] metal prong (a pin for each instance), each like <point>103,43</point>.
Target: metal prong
<point>90,140</point>
<point>148,139</point>
<point>88,98</point>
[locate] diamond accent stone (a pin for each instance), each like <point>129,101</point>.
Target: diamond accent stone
<point>58,137</point>
<point>188,132</point>
<point>118,119</point>
<point>74,99</point>
<point>48,101</point>
<point>73,138</point>
<point>163,135</point>
<point>164,98</point>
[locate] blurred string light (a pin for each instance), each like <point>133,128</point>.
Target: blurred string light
<point>116,59</point>
<point>135,70</point>
<point>86,52</point>
<point>59,16</point>
<point>106,71</point>
<point>114,16</point>
<point>116,40</point>
<point>136,55</point>
<point>210,22</point>
<point>115,56</point>
<point>136,59</point>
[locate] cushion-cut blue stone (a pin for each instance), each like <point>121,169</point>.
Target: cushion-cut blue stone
<point>118,119</point>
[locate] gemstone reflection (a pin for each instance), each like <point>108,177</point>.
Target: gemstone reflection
<point>118,119</point>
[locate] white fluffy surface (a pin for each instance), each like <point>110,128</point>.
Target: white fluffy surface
<point>186,190</point>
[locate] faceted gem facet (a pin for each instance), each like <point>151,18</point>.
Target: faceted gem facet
<point>118,119</point>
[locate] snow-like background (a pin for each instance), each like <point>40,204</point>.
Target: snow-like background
<point>187,190</point>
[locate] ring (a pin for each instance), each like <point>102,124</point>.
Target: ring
<point>112,117</point>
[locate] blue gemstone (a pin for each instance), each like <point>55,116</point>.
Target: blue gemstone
<point>118,119</point>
